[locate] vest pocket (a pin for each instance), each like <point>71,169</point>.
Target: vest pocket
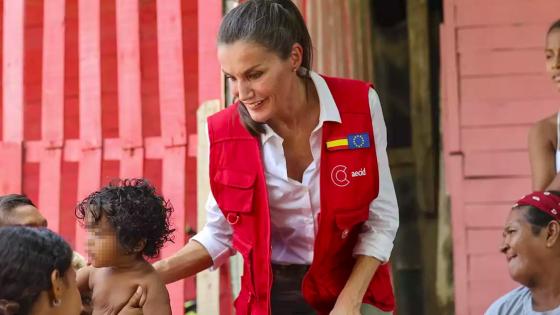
<point>347,219</point>
<point>234,192</point>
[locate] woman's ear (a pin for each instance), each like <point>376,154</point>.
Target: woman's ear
<point>57,289</point>
<point>296,56</point>
<point>552,233</point>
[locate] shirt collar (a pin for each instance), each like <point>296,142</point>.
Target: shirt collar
<point>328,111</point>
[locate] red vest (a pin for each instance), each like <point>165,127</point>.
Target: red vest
<point>349,182</point>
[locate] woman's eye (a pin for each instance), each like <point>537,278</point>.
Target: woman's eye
<point>230,78</point>
<point>255,75</point>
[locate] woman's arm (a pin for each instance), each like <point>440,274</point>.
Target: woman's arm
<point>188,261</point>
<point>351,296</point>
<point>210,247</point>
<point>542,148</point>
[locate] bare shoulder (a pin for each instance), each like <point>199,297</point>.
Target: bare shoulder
<point>157,301</point>
<point>544,131</point>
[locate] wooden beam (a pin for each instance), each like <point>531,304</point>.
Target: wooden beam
<point>421,104</point>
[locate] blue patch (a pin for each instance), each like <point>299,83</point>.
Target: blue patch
<point>358,141</point>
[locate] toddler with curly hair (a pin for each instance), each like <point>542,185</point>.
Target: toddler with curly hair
<point>126,222</point>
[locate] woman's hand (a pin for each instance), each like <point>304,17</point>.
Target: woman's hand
<point>135,303</point>
<point>346,305</point>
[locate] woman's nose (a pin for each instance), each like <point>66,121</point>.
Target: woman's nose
<point>244,91</point>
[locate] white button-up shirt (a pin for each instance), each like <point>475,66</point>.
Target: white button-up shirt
<point>294,206</point>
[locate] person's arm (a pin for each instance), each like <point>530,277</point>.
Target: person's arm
<point>375,241</point>
<point>211,247</point>
<point>542,139</point>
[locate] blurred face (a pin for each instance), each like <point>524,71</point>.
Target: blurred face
<point>552,55</point>
<point>524,251</point>
<point>102,246</point>
<point>26,215</point>
<point>259,78</point>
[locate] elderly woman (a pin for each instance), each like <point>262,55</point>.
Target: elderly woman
<point>532,248</point>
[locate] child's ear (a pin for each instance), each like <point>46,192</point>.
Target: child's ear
<point>139,246</point>
<point>57,289</point>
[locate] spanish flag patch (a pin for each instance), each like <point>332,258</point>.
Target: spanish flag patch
<point>353,141</point>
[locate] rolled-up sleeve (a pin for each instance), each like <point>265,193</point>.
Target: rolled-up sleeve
<point>216,235</point>
<point>379,231</point>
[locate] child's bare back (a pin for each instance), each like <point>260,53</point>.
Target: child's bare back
<point>112,288</point>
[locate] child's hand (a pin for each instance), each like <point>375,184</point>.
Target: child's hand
<point>135,303</point>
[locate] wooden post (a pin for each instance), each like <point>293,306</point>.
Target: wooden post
<point>421,103</point>
<point>207,282</point>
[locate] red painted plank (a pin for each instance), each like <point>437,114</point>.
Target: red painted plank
<point>497,190</point>
<point>495,138</point>
<point>149,69</point>
<point>489,63</point>
<point>90,104</point>
<point>130,101</point>
<point>489,267</point>
<point>52,113</point>
<point>210,76</point>
<point>506,12</point>
<point>503,37</point>
<point>486,215</point>
<point>12,76</point>
<point>173,124</point>
<point>518,87</point>
<point>509,112</point>
<point>11,153</point>
<point>500,163</point>
<point>483,241</point>
<point>32,75</point>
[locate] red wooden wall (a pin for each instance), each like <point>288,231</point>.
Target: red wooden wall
<point>98,89</point>
<point>494,89</point>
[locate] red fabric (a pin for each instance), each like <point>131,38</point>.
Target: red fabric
<point>238,184</point>
<point>544,201</point>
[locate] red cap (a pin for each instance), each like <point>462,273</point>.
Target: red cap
<point>545,201</point>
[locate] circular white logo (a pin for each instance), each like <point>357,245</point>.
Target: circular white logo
<point>339,176</point>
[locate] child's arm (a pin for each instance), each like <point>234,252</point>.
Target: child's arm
<point>82,278</point>
<point>157,302</point>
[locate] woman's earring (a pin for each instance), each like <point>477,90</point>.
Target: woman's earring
<point>56,302</point>
<point>303,72</point>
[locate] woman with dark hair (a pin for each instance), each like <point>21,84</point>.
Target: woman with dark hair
<point>299,177</point>
<point>35,273</point>
<point>544,139</point>
<point>532,248</point>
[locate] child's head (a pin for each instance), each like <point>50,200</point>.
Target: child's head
<point>552,52</point>
<point>125,218</point>
<point>17,209</point>
<point>35,272</point>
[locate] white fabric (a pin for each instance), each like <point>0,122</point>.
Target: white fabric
<point>294,206</point>
<point>557,143</point>
<point>517,302</point>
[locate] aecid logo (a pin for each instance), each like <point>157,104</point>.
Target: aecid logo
<point>339,176</point>
<point>361,172</point>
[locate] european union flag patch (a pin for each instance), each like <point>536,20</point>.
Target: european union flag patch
<point>358,141</point>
